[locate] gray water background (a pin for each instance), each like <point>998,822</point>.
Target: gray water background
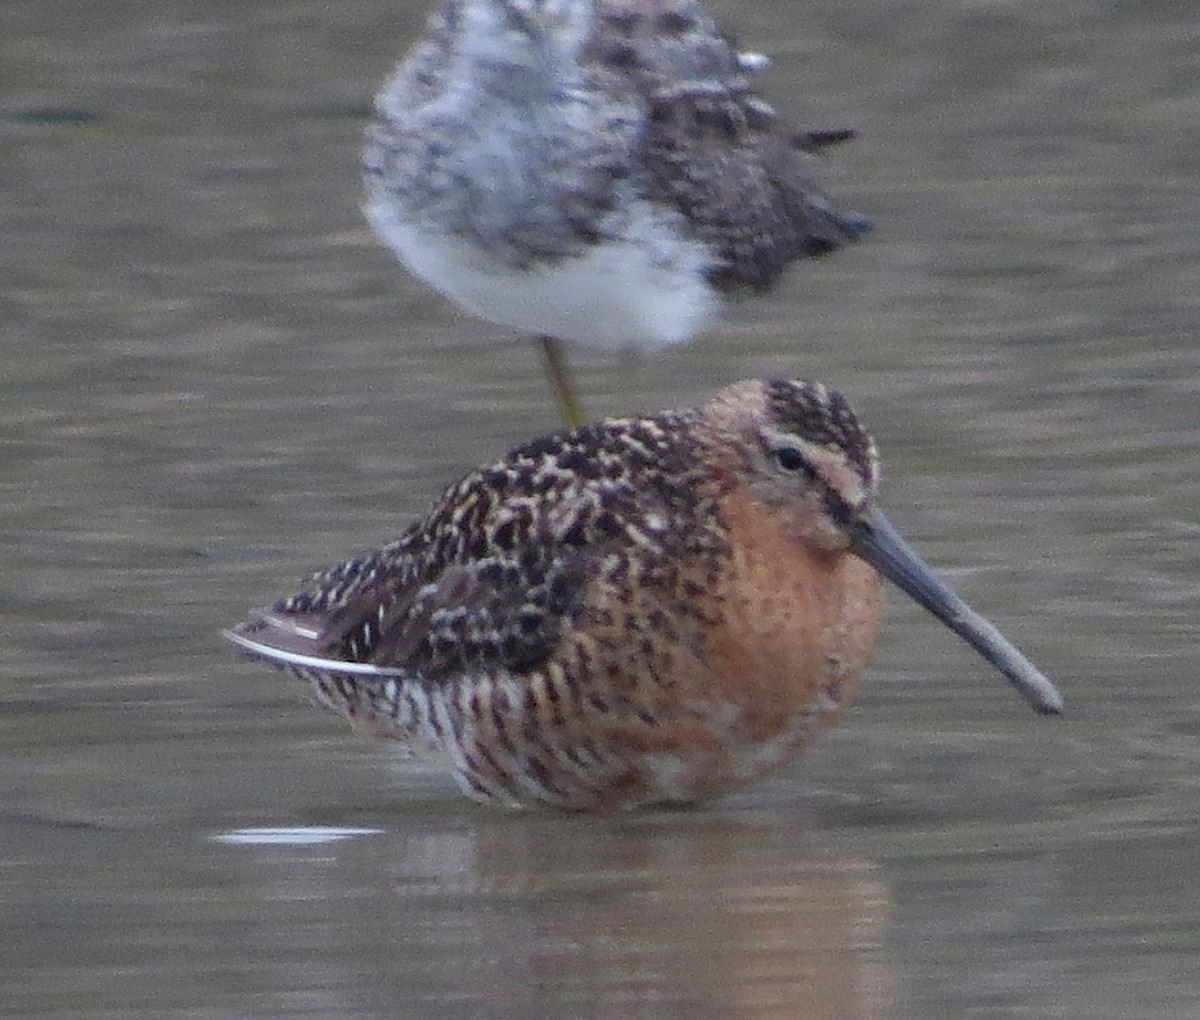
<point>215,379</point>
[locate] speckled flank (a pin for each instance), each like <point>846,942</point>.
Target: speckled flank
<point>606,617</point>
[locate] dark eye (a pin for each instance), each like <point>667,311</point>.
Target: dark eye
<point>792,460</point>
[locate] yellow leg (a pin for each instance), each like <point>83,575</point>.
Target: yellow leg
<point>560,381</point>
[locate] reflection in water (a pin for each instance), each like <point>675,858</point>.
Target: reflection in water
<point>656,915</point>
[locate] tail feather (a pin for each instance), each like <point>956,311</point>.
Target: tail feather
<point>386,701</point>
<point>294,642</point>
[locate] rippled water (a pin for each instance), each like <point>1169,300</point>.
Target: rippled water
<point>215,379</point>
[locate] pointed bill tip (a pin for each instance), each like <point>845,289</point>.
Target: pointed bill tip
<point>1035,687</point>
<point>873,539</point>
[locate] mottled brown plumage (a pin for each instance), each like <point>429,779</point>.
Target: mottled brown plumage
<point>643,610</point>
<point>711,147</point>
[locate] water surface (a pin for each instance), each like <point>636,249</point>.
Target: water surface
<point>216,380</point>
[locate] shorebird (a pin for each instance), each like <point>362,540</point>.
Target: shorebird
<point>644,610</point>
<point>592,171</point>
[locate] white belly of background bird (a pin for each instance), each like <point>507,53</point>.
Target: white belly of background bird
<point>644,290</point>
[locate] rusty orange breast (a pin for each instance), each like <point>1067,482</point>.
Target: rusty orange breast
<point>794,627</point>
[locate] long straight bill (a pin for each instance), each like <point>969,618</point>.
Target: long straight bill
<point>873,538</point>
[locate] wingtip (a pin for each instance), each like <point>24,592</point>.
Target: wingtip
<point>858,226</point>
<point>752,62</point>
<point>820,140</point>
